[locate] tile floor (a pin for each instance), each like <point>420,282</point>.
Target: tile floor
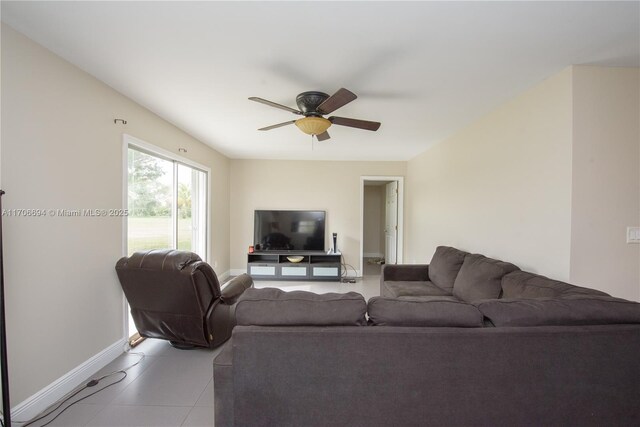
<point>171,387</point>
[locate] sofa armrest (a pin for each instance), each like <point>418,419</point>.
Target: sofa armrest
<point>404,272</point>
<point>235,288</point>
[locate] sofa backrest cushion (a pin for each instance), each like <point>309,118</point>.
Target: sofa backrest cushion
<point>445,265</point>
<point>523,284</point>
<point>274,307</point>
<point>423,311</point>
<point>572,310</point>
<point>481,278</point>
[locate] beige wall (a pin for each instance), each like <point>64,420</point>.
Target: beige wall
<point>549,181</point>
<point>374,216</point>
<point>501,186</point>
<point>606,179</point>
<point>330,186</point>
<point>61,149</point>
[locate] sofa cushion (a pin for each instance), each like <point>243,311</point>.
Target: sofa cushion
<point>404,272</point>
<point>480,278</point>
<point>572,310</point>
<point>423,311</point>
<point>411,288</point>
<point>523,284</point>
<point>274,307</point>
<point>430,298</point>
<point>445,265</point>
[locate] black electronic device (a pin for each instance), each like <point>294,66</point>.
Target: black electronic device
<point>335,243</point>
<point>280,230</point>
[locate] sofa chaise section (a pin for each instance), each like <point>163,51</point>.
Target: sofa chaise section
<point>451,272</point>
<point>434,279</point>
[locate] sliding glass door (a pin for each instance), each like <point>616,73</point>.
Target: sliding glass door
<point>167,203</point>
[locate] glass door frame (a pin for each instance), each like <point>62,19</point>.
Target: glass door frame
<point>131,141</point>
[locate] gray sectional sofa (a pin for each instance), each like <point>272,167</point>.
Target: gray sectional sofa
<point>465,340</point>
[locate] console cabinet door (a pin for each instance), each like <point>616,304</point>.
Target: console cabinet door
<point>294,272</point>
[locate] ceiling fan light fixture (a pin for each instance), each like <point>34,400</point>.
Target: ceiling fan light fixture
<point>313,125</point>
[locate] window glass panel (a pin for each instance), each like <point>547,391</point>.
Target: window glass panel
<point>191,208</point>
<point>185,204</point>
<point>150,194</point>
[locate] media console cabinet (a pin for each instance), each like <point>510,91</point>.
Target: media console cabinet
<point>263,265</point>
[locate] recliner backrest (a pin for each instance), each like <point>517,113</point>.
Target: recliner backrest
<point>170,293</point>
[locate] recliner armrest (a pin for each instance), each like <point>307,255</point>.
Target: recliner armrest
<point>405,272</point>
<point>235,288</point>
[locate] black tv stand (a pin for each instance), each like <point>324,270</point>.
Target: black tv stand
<point>274,265</point>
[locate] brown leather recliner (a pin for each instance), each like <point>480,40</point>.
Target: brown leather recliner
<point>176,296</point>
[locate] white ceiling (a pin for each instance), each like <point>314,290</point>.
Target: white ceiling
<point>423,69</point>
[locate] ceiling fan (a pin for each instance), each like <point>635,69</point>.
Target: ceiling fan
<point>313,105</point>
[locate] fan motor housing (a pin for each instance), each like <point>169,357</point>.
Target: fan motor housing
<point>308,102</point>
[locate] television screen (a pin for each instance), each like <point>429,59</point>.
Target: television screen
<point>289,230</point>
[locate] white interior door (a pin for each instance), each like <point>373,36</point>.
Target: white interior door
<point>391,223</point>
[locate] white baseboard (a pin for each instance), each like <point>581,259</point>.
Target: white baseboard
<point>55,391</point>
<point>224,277</point>
<point>237,271</point>
<point>372,255</point>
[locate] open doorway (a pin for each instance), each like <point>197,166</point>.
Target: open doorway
<point>381,214</point>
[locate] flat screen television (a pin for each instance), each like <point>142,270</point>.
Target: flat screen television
<point>289,230</point>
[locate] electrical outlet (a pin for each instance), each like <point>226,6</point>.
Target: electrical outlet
<point>633,235</point>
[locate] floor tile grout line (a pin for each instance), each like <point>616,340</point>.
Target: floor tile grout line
<point>158,406</point>
<point>146,366</point>
<point>107,404</point>
<point>97,413</point>
<point>152,361</point>
<point>203,391</point>
<point>187,416</point>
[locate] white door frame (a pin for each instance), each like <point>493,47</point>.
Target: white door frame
<point>390,222</point>
<point>400,179</point>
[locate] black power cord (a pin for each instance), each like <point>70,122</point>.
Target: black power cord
<point>91,383</point>
<point>345,278</point>
<point>86,386</point>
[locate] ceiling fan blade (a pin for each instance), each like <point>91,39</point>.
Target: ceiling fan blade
<point>278,125</point>
<point>339,99</point>
<point>323,136</point>
<point>355,123</point>
<point>273,104</point>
